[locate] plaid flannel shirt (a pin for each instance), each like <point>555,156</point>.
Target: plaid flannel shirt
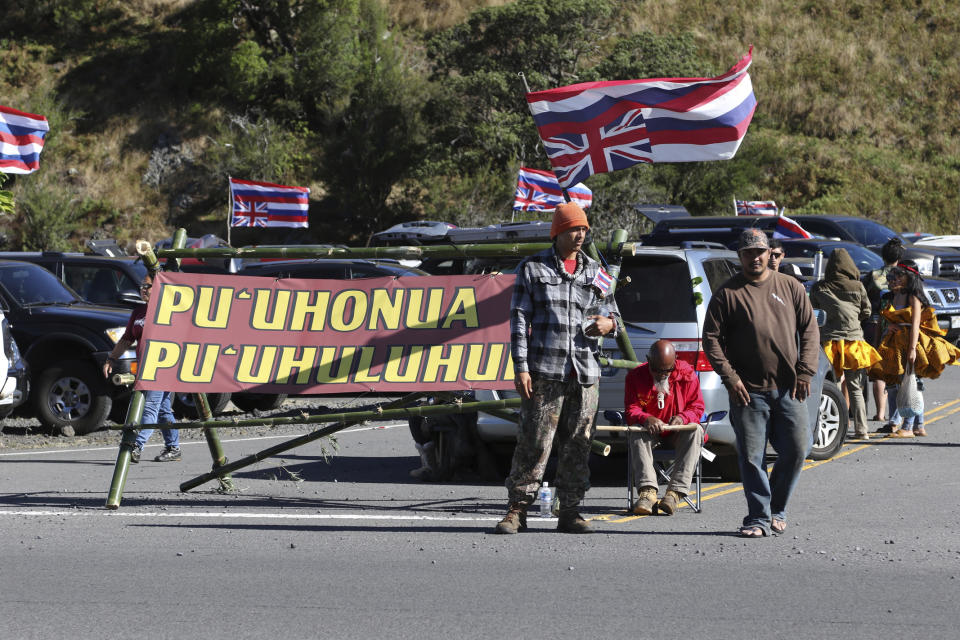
<point>547,310</point>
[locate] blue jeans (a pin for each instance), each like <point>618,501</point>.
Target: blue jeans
<point>157,409</point>
<point>894,413</point>
<point>783,421</point>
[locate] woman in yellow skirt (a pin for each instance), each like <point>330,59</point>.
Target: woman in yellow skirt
<point>844,299</point>
<point>911,339</point>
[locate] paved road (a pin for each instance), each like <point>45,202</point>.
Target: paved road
<point>351,548</point>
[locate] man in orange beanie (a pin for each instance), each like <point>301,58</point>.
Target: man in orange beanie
<point>555,324</point>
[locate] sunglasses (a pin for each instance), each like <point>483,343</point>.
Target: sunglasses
<point>656,370</point>
<point>776,254</point>
<point>145,286</point>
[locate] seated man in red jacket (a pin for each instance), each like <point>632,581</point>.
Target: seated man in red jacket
<point>663,392</point>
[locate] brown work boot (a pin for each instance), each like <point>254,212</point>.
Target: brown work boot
<point>571,522</point>
<point>669,502</point>
<point>514,521</point>
<point>645,502</point>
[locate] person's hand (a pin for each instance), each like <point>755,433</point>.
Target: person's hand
<point>524,385</point>
<point>912,355</point>
<point>676,420</point>
<point>107,369</point>
<point>739,394</point>
<point>602,325</point>
<point>654,425</point>
<point>801,390</point>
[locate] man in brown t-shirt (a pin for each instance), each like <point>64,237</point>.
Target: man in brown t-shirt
<point>751,337</point>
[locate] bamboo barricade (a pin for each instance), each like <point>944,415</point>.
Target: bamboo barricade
<point>221,470</point>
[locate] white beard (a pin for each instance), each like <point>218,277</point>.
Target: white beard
<point>663,390</point>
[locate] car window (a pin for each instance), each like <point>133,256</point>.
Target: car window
<point>643,299</point>
<point>718,271</point>
<point>867,232</point>
<point>30,284</point>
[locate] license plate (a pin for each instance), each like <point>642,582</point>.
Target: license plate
<point>955,322</point>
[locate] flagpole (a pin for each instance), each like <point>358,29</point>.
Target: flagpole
<point>526,87</point>
<point>229,209</point>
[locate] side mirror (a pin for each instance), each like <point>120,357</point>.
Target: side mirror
<point>130,297</point>
<point>821,316</point>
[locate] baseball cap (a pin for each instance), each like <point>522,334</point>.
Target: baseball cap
<point>753,238</point>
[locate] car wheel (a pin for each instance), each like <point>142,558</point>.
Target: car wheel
<point>72,394</point>
<point>831,428</point>
<point>257,401</point>
<point>185,407</point>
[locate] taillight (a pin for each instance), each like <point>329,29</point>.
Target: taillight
<point>690,350</point>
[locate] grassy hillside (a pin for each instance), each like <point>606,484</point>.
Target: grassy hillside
<point>857,98</point>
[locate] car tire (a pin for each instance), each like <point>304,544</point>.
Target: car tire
<point>184,406</point>
<point>72,394</point>
<point>247,402</point>
<point>831,429</point>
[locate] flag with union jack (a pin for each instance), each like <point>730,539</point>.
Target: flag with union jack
<point>597,127</point>
<point>539,190</point>
<point>264,204</point>
<point>21,140</point>
<point>787,228</point>
<point>755,207</point>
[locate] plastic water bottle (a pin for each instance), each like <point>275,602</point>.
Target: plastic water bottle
<point>545,496</point>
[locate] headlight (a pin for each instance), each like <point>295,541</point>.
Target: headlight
<point>925,266</point>
<point>14,356</point>
<point>115,334</point>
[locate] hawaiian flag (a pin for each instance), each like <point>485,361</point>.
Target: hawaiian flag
<point>755,207</point>
<point>602,281</point>
<point>21,140</point>
<point>539,191</point>
<point>787,228</point>
<point>597,127</point>
<point>264,204</point>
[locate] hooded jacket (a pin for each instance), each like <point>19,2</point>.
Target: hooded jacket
<point>685,399</point>
<point>843,297</point>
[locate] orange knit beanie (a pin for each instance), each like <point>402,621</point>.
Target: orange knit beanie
<point>567,216</point>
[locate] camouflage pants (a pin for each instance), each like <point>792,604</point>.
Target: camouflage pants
<point>564,408</point>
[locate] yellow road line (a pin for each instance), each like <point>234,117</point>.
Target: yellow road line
<point>721,489</point>
<point>948,413</point>
<point>941,407</point>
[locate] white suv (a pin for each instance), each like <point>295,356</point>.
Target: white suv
<point>664,293</point>
<point>14,378</point>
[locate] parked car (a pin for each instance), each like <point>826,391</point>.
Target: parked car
<point>14,374</point>
<point>411,233</point>
<point>932,260</point>
<point>97,279</point>
<point>649,314</point>
<point>915,236</point>
<point>944,295</point>
<point>65,341</point>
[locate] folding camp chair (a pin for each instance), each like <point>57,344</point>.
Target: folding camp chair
<point>664,459</point>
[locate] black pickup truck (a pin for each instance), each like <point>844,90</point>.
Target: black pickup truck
<point>65,341</point>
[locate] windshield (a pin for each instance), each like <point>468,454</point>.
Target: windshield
<point>29,284</point>
<point>867,232</point>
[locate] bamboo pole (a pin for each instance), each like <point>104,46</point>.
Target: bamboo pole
<point>127,442</point>
<point>666,429</point>
<point>291,444</point>
<point>359,416</point>
<point>472,250</point>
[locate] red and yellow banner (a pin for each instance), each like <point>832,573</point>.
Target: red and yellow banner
<point>217,333</point>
